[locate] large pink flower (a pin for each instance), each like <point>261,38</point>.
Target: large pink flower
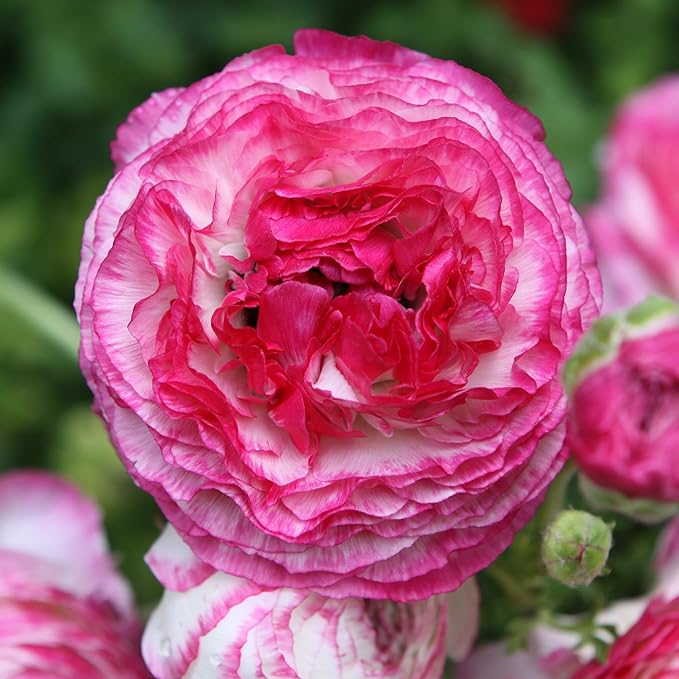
<point>64,610</point>
<point>324,302</point>
<point>635,223</point>
<point>212,625</point>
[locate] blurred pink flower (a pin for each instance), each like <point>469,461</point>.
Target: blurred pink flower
<point>213,625</point>
<point>52,634</point>
<point>624,415</point>
<point>492,661</point>
<point>635,224</point>
<point>64,610</point>
<point>46,522</point>
<point>649,650</point>
<point>324,303</point>
<point>667,553</point>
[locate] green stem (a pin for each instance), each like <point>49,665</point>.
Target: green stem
<point>556,495</point>
<point>513,589</point>
<point>40,311</point>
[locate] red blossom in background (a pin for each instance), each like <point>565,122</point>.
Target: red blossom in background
<point>546,17</point>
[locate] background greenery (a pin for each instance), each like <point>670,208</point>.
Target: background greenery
<point>70,71</point>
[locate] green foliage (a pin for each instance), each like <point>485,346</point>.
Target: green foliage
<point>522,594</point>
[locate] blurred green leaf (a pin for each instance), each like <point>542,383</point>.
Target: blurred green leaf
<point>20,297</point>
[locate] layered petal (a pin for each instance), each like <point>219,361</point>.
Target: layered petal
<point>225,626</point>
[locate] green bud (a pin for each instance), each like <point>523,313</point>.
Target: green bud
<point>575,547</point>
<point>641,510</point>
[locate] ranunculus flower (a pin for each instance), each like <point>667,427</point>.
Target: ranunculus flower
<point>64,611</point>
<point>212,625</point>
<point>52,634</point>
<point>553,652</point>
<point>623,381</point>
<point>649,650</point>
<point>324,303</point>
<point>635,224</point>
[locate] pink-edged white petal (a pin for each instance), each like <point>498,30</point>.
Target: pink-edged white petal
<point>174,564</point>
<point>225,628</point>
<point>132,137</point>
<point>45,517</point>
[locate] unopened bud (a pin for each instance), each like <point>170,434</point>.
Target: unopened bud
<point>575,547</point>
<point>622,418</point>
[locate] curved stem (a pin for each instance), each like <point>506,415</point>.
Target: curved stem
<point>513,588</point>
<point>556,494</point>
<point>40,311</point>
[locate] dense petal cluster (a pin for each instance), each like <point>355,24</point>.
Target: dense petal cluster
<point>635,223</point>
<point>213,625</point>
<point>64,611</point>
<point>623,420</point>
<point>324,303</point>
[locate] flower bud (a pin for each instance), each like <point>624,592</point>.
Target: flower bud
<point>623,387</point>
<point>575,547</point>
<point>602,343</point>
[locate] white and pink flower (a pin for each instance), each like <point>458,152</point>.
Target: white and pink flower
<point>648,650</point>
<point>324,303</point>
<point>213,625</point>
<point>64,610</point>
